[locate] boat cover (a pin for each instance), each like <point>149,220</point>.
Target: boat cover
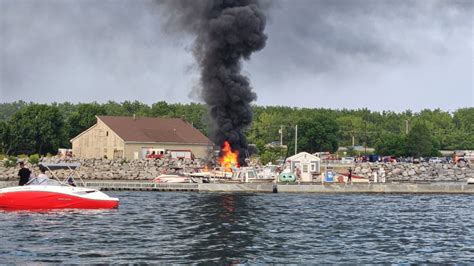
<point>58,166</point>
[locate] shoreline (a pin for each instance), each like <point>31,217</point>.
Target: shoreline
<point>147,170</point>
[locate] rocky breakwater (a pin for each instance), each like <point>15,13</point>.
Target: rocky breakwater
<point>424,172</point>
<point>103,169</point>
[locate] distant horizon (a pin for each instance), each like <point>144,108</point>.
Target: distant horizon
<point>253,104</point>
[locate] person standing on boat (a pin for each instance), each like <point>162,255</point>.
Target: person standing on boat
<point>349,176</point>
<point>24,174</point>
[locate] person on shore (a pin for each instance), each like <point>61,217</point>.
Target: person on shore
<point>298,175</point>
<point>24,174</point>
<point>455,158</point>
<point>349,176</point>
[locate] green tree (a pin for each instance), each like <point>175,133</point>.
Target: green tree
<point>419,141</point>
<point>5,138</point>
<point>114,109</point>
<point>464,119</point>
<point>135,108</point>
<point>161,108</point>
<point>318,133</point>
<point>272,154</point>
<point>37,128</point>
<point>83,118</point>
<point>391,144</point>
<point>351,128</point>
<point>8,109</point>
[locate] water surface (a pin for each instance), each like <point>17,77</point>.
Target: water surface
<point>153,227</point>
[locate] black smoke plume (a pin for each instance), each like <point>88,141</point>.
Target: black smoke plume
<point>226,31</point>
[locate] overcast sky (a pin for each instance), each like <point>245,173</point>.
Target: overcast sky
<point>383,55</point>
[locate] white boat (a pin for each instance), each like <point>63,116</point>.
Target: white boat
<point>251,175</point>
<point>176,174</point>
<point>55,194</point>
<point>172,178</point>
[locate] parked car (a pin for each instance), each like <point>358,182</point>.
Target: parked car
<point>404,159</point>
<point>389,159</point>
<point>435,160</point>
<point>374,158</point>
<point>347,160</point>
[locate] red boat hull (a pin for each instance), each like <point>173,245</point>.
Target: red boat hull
<point>35,200</point>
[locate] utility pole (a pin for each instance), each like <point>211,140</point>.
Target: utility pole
<point>352,133</point>
<point>296,139</point>
<point>281,135</point>
<point>406,127</point>
<point>366,137</point>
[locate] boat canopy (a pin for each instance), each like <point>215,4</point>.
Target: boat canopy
<point>59,166</point>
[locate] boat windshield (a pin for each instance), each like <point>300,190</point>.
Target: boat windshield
<point>44,181</point>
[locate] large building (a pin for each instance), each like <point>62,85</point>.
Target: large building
<point>136,138</point>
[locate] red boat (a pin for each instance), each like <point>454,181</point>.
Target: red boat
<point>55,194</point>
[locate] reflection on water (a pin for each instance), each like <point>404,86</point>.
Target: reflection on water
<point>247,228</point>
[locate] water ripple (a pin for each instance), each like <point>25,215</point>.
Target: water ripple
<point>247,228</point>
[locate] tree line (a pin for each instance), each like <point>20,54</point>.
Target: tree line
<point>28,128</point>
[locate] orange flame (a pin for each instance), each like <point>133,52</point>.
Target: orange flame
<point>228,157</point>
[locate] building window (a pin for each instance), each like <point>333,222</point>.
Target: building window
<point>251,175</point>
<point>305,168</point>
<point>107,133</point>
<point>313,167</point>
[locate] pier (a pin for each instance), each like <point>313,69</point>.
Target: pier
<point>141,186</point>
<point>328,188</point>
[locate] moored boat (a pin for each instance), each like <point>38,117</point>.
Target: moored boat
<point>172,178</point>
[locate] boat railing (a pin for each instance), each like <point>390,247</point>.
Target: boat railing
<point>71,176</point>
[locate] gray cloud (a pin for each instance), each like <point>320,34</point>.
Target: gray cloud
<point>319,53</point>
<point>320,36</point>
<point>92,49</point>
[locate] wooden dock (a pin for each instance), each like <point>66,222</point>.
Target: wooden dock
<point>141,186</point>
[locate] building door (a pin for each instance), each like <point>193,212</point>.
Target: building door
<point>305,173</point>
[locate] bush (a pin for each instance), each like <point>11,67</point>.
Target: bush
<point>22,156</point>
<point>34,159</point>
<point>11,161</point>
<point>2,156</point>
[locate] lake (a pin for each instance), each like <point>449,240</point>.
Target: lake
<point>166,227</point>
